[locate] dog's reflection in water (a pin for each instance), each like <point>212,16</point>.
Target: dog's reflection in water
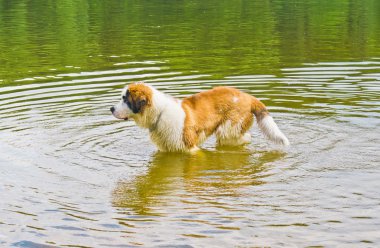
<point>179,177</point>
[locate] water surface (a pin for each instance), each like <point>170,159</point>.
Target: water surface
<point>73,176</point>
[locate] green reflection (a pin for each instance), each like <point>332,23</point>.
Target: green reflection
<point>217,37</point>
<point>190,176</point>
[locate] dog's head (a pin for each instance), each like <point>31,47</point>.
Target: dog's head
<point>135,98</point>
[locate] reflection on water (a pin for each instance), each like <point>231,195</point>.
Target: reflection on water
<point>225,38</point>
<point>204,174</point>
<point>73,176</point>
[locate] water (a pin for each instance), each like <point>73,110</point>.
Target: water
<point>73,176</point>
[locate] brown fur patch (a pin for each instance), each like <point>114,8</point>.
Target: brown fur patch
<point>207,110</point>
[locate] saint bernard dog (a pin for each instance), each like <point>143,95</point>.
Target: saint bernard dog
<point>183,125</point>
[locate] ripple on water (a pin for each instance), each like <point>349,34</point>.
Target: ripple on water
<point>65,154</point>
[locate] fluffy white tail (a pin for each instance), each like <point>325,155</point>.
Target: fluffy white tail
<point>267,124</point>
<point>271,130</point>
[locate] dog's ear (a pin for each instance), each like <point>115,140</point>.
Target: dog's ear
<point>138,104</point>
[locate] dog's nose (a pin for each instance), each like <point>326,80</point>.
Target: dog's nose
<point>112,109</point>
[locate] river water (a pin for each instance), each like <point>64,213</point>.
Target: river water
<point>73,176</point>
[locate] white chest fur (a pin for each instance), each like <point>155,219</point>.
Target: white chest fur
<point>166,130</point>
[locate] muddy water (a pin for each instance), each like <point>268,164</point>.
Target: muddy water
<point>71,175</point>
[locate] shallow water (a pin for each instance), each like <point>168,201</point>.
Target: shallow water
<point>71,175</point>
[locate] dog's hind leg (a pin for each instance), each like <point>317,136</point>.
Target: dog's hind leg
<point>227,135</point>
<point>233,140</point>
<point>234,134</point>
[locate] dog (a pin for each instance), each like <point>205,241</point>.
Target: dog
<point>183,125</point>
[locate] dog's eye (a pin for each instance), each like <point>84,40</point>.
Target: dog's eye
<point>126,101</point>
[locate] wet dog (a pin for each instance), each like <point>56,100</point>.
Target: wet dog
<point>183,125</point>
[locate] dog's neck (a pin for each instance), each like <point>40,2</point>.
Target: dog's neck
<point>152,116</point>
<point>153,127</point>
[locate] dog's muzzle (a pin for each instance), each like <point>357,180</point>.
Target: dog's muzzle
<point>113,110</point>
